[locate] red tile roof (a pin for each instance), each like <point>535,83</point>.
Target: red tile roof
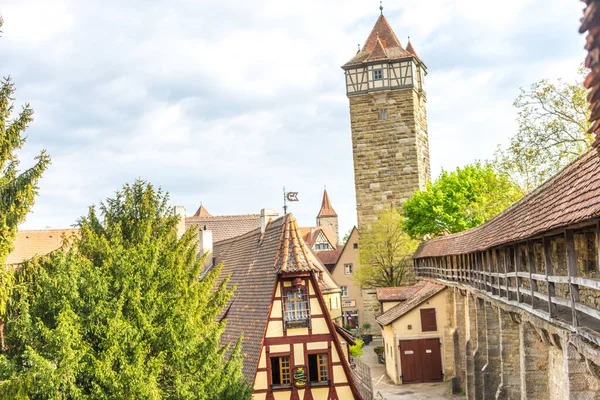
<point>326,208</point>
<point>31,243</point>
<point>424,290</point>
<point>329,257</point>
<point>571,196</point>
<point>396,293</point>
<point>311,234</point>
<point>591,24</point>
<point>202,212</point>
<point>225,227</point>
<point>411,50</point>
<point>382,44</point>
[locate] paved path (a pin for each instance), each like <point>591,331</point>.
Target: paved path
<point>382,383</point>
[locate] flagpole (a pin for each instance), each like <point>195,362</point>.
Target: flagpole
<point>284,202</point>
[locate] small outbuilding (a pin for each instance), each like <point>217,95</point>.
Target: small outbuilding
<point>417,332</point>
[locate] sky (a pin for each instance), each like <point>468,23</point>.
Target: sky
<point>225,102</point>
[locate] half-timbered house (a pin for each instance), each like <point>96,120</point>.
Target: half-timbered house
<point>291,347</point>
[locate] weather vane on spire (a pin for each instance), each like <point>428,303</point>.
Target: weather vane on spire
<point>381,6</point>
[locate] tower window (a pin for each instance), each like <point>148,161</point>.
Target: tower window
<point>377,74</point>
<point>383,115</point>
<point>348,269</point>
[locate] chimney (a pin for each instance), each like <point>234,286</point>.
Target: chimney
<point>205,244</point>
<point>265,215</point>
<point>180,211</point>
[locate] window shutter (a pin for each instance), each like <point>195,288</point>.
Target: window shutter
<point>428,323</point>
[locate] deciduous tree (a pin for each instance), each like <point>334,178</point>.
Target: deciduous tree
<point>459,200</point>
<point>553,123</point>
<point>385,252</point>
<point>121,313</point>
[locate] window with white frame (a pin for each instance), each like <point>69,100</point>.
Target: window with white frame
<point>344,291</point>
<point>348,269</point>
<point>295,307</point>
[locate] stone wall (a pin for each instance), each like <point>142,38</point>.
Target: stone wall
<point>504,352</point>
<point>391,156</point>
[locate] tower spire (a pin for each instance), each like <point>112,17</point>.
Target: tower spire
<point>381,6</point>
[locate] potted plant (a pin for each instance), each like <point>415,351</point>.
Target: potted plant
<point>367,336</point>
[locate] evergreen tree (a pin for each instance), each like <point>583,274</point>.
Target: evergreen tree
<point>121,313</point>
<point>17,189</point>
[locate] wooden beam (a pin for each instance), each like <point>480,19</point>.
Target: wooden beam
<point>598,244</point>
<point>572,270</point>
<point>532,270</point>
<point>506,251</point>
<point>549,271</point>
<point>517,260</point>
<point>499,269</point>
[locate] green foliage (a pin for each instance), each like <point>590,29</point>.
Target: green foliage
<point>378,350</point>
<point>347,236</point>
<point>459,200</point>
<point>121,313</point>
<point>385,252</point>
<point>553,124</point>
<point>356,350</point>
<point>17,189</point>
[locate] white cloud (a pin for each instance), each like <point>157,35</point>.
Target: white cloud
<point>227,102</point>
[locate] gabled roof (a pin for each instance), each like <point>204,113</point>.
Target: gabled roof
<point>424,291</point>
<point>311,234</point>
<point>400,293</point>
<point>226,226</point>
<point>570,197</point>
<point>254,261</point>
<point>345,246</point>
<point>382,44</point>
<point>31,243</point>
<point>202,212</point>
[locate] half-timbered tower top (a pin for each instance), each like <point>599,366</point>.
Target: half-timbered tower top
<point>383,63</point>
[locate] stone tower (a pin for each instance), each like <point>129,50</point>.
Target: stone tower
<point>384,83</point>
<point>328,217</point>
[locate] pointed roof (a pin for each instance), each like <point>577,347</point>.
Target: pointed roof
<point>411,50</point>
<point>424,290</point>
<point>382,44</point>
<point>293,255</point>
<point>326,208</point>
<point>202,212</point>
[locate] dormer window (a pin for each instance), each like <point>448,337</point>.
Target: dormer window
<point>295,307</point>
<point>377,74</point>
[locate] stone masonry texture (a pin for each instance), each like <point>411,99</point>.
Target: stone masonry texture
<point>391,157</point>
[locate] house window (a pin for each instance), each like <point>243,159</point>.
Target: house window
<point>377,74</point>
<point>344,291</point>
<point>348,269</point>
<point>295,307</point>
<point>318,368</point>
<point>383,115</point>
<point>355,245</point>
<point>281,371</point>
<point>428,323</point>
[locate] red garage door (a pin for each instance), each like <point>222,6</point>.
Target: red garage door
<point>421,360</point>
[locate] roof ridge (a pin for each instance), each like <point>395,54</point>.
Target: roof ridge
<point>48,230</point>
<point>224,216</point>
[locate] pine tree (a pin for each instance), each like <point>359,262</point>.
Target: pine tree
<point>17,189</point>
<point>122,312</point>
